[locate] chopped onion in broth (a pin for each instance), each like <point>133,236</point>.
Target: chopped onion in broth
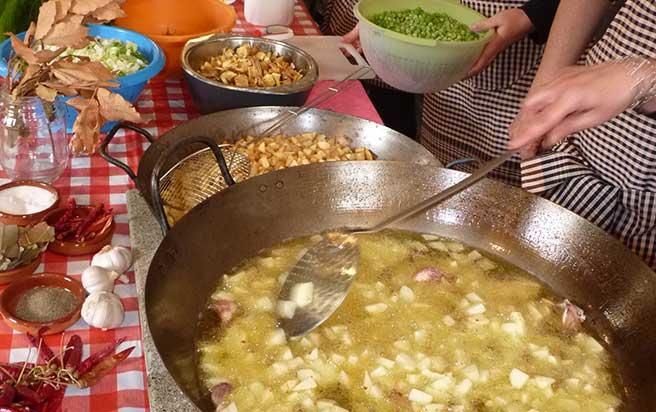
<point>476,335</point>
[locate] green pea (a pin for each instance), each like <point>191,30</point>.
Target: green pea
<point>419,23</point>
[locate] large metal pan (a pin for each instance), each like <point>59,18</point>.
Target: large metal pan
<point>576,259</point>
<point>182,141</point>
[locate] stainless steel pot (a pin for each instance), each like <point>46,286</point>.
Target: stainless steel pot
<point>212,96</point>
<point>572,256</point>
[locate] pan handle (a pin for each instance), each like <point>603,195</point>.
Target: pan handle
<point>156,198</point>
<point>102,150</point>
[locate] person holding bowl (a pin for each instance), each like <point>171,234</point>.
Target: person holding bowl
<point>471,118</point>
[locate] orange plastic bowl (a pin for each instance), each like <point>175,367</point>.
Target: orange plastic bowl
<point>171,23</point>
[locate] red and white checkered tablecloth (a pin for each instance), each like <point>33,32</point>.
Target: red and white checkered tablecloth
<point>91,180</point>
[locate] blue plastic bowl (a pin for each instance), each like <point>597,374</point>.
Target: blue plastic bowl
<point>131,85</point>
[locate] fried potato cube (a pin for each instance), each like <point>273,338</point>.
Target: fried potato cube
<point>241,81</point>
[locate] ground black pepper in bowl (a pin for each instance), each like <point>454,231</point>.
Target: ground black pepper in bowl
<point>45,304</point>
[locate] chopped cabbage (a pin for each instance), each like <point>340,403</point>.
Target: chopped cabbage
<point>120,57</point>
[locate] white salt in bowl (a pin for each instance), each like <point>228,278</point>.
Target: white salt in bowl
<point>26,202</point>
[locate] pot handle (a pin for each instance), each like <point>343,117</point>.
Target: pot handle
<point>156,198</point>
<point>102,150</point>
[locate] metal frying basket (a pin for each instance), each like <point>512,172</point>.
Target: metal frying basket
<point>197,177</point>
<point>176,190</point>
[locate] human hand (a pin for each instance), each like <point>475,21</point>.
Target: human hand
<point>511,26</point>
<point>579,98</point>
<point>353,37</point>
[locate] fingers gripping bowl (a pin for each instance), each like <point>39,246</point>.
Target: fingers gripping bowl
<point>413,64</point>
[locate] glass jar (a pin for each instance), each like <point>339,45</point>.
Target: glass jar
<point>33,138</point>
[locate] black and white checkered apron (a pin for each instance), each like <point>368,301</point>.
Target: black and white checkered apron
<point>471,118</point>
<point>608,174</point>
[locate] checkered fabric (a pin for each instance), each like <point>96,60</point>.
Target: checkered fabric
<point>91,180</point>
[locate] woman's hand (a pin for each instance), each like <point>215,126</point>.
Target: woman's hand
<point>353,37</point>
<point>511,26</point>
<point>579,98</point>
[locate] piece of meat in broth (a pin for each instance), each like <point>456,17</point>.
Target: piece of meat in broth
<point>399,401</point>
<point>430,274</point>
<point>573,316</point>
<point>219,393</point>
<point>225,309</point>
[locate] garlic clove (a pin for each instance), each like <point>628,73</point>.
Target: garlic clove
<point>98,279</point>
<point>103,310</point>
<point>116,258</point>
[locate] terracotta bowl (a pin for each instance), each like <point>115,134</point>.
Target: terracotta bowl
<point>171,23</point>
<point>9,276</point>
<point>68,248</point>
<point>27,220</point>
<point>10,296</point>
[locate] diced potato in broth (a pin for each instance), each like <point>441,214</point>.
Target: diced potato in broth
<point>456,337</point>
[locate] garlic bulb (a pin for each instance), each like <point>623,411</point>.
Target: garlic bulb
<point>116,258</point>
<point>98,279</point>
<point>103,310</point>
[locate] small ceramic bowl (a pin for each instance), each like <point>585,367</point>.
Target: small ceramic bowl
<point>10,296</point>
<point>69,248</point>
<point>9,276</point>
<point>30,219</point>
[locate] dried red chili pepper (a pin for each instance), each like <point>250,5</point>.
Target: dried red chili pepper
<point>28,396</point>
<point>88,220</point>
<point>41,387</point>
<point>53,404</point>
<point>74,228</point>
<point>67,215</point>
<point>93,375</point>
<point>95,358</point>
<point>15,408</point>
<point>11,371</point>
<point>7,393</point>
<point>46,391</point>
<point>73,353</point>
<point>45,353</point>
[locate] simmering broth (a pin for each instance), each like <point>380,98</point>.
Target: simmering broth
<point>429,325</point>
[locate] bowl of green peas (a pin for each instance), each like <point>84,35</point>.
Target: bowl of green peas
<point>419,46</point>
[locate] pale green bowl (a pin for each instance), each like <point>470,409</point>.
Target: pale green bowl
<point>412,64</point>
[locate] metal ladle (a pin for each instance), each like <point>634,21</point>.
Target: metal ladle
<point>331,264</point>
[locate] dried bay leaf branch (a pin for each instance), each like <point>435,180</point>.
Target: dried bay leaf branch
<point>70,32</point>
<point>31,77</point>
<point>38,71</point>
<point>78,103</point>
<point>45,93</point>
<point>87,128</point>
<point>22,51</point>
<point>109,12</point>
<point>29,34</point>
<point>46,56</point>
<point>72,74</point>
<point>85,7</point>
<point>114,107</point>
<point>63,7</point>
<point>61,88</point>
<point>46,19</point>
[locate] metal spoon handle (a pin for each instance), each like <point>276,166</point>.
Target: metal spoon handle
<point>477,175</point>
<point>327,94</point>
